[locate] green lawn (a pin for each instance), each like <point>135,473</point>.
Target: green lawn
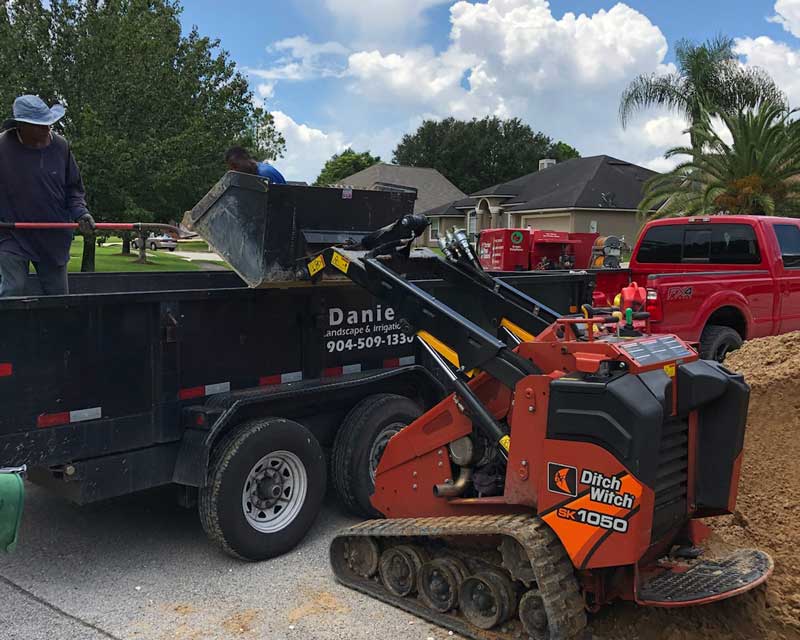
<point>193,245</point>
<point>110,259</point>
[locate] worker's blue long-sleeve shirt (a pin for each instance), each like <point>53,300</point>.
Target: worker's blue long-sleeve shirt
<point>39,185</point>
<point>266,170</point>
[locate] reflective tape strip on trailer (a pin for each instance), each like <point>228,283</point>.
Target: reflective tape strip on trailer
<point>343,370</point>
<point>405,361</point>
<point>204,390</point>
<point>280,378</point>
<point>68,417</point>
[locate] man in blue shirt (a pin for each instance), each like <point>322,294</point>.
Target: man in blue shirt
<point>238,159</point>
<point>39,182</point>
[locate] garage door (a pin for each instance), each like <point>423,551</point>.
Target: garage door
<point>555,223</point>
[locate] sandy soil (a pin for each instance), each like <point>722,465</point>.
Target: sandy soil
<point>767,515</point>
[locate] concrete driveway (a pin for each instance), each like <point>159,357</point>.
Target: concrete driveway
<point>139,568</point>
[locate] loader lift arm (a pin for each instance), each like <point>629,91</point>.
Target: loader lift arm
<point>467,346</point>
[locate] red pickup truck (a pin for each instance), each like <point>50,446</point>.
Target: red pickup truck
<point>716,280</point>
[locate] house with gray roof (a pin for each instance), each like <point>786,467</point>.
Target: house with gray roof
<point>431,187</point>
<point>595,194</point>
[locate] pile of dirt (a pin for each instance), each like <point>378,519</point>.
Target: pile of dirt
<point>768,508</point>
<point>767,515</point>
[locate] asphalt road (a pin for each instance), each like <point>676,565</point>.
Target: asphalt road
<point>139,568</point>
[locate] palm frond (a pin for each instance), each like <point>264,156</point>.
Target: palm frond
<point>650,91</point>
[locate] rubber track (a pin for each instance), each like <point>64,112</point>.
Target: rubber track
<point>555,576</point>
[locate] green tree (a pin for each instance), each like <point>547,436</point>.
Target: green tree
<point>344,164</point>
<point>757,173</point>
<point>479,153</point>
<point>150,111</point>
<point>709,81</point>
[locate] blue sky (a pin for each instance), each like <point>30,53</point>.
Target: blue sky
<point>364,72</point>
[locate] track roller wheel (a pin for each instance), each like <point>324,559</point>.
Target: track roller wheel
<point>362,556</point>
<point>439,583</point>
<point>487,599</point>
<point>399,568</point>
<point>533,616</point>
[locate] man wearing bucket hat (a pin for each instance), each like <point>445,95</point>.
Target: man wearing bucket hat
<point>39,182</point>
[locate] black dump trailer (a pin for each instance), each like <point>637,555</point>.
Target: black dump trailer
<point>235,394</point>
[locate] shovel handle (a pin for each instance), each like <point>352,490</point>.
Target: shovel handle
<point>118,226</point>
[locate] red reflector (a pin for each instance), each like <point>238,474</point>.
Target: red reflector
<point>6,369</point>
<point>200,420</point>
<point>391,363</point>
<point>192,392</point>
<point>265,381</point>
<point>331,372</point>
<point>52,419</point>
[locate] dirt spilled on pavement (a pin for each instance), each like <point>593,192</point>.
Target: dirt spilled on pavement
<point>767,515</point>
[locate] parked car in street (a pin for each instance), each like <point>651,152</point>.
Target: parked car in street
<point>155,242</point>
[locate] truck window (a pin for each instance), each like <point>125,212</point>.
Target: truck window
<point>662,244</point>
<point>734,244</point>
<point>696,245</point>
<point>789,240</point>
<point>689,243</point>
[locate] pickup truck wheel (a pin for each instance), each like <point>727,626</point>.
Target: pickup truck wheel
<point>360,443</point>
<point>265,488</point>
<point>717,341</point>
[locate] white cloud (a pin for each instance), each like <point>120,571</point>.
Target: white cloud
<point>662,164</point>
<point>666,131</point>
<point>381,22</point>
<point>266,89</point>
<point>787,13</point>
<point>778,59</point>
<point>307,148</point>
<point>301,59</point>
<point>515,58</point>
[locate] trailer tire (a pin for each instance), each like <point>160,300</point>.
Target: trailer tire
<point>361,437</point>
<point>718,341</point>
<point>256,459</point>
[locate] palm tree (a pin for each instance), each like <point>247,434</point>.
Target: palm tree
<point>709,80</point>
<point>757,173</point>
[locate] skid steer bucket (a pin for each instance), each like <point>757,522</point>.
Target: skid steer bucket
<point>12,497</point>
<point>264,231</point>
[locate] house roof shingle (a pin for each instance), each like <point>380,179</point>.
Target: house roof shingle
<point>433,189</point>
<point>580,183</point>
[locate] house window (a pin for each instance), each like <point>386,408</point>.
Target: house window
<point>472,224</point>
<point>435,222</point>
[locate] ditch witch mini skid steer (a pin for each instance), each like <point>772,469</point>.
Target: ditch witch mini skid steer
<point>567,469</point>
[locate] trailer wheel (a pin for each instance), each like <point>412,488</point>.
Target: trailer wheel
<point>360,443</point>
<point>265,488</point>
<point>717,341</point>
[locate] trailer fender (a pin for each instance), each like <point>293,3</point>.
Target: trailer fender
<point>206,424</point>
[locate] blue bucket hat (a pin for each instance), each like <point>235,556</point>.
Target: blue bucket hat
<point>33,110</point>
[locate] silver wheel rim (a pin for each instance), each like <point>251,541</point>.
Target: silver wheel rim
<point>379,446</point>
<point>274,491</point>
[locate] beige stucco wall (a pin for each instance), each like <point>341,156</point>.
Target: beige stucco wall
<point>616,223</point>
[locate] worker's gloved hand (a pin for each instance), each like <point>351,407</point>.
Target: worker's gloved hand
<point>86,224</point>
